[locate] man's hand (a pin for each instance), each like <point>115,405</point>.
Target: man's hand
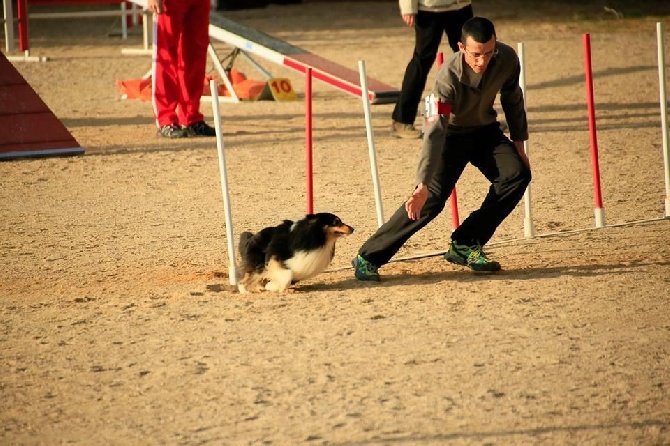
<point>155,6</point>
<point>414,204</point>
<point>522,152</point>
<point>408,19</point>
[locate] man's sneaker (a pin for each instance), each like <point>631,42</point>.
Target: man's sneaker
<point>199,128</point>
<point>404,131</point>
<point>171,131</point>
<point>471,256</point>
<point>364,270</point>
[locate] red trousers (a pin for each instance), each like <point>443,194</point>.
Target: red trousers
<point>180,58</point>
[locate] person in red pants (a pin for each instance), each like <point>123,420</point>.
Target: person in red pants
<point>179,62</point>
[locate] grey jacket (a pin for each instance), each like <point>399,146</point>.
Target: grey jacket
<point>413,6</point>
<point>472,105</point>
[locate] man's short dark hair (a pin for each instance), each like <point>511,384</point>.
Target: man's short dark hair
<point>480,29</point>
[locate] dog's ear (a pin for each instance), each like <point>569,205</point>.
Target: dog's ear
<point>311,219</point>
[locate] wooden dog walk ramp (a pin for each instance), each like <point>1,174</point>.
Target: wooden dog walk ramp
<point>255,42</point>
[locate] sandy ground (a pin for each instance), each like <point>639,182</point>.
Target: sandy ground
<point>119,324</point>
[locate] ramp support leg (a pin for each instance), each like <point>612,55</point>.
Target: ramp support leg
<point>222,73</point>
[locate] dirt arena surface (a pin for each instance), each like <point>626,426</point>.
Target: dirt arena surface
<point>119,325</point>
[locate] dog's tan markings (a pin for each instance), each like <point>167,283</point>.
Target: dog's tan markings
<point>333,233</point>
<point>339,230</point>
<point>279,277</point>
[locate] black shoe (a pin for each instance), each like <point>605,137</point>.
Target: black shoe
<point>171,131</point>
<point>404,131</point>
<point>199,128</point>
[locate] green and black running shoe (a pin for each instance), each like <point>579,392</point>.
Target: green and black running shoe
<point>364,270</point>
<point>472,256</point>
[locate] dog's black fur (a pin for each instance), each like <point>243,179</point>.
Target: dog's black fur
<point>278,256</point>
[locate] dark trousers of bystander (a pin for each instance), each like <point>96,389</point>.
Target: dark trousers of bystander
<point>428,29</point>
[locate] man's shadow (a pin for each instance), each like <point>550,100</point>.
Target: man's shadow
<point>466,276</point>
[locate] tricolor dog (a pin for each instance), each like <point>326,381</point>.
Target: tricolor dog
<point>281,255</point>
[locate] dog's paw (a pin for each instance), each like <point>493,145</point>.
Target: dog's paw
<point>275,286</point>
<point>251,288</point>
<point>250,283</point>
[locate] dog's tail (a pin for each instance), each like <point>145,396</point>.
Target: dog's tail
<point>243,245</point>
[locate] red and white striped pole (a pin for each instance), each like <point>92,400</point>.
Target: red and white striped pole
<point>22,13</point>
<point>599,211</point>
<point>24,45</point>
<point>453,198</point>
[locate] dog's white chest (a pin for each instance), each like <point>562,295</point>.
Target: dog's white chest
<point>306,264</point>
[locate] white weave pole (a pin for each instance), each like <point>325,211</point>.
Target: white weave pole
<point>664,113</point>
<point>232,273</point>
<point>528,227</point>
<point>8,14</point>
<point>371,143</point>
<point>124,21</point>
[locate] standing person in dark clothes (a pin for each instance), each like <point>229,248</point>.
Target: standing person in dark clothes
<point>430,19</point>
<point>462,128</point>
